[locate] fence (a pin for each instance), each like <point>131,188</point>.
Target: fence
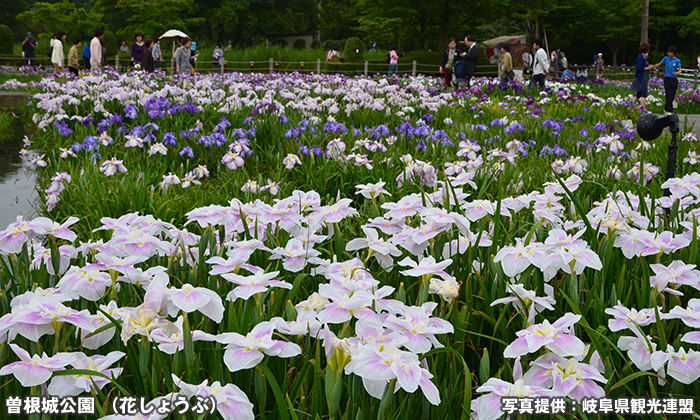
<point>366,68</point>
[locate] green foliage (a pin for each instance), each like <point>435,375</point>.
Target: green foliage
<point>315,44</point>
<point>6,40</point>
<point>47,18</point>
<point>354,50</point>
<point>280,43</point>
<point>111,44</point>
<point>299,44</point>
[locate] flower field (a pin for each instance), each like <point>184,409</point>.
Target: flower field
<point>303,247</point>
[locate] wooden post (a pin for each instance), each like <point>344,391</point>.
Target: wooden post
<point>116,59</point>
<point>696,78</point>
<point>272,65</point>
<point>366,68</point>
<point>221,68</point>
<point>318,66</point>
<point>414,68</point>
<point>172,65</point>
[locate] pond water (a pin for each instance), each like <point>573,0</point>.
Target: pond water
<point>17,192</point>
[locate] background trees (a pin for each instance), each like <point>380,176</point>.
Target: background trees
<point>580,27</point>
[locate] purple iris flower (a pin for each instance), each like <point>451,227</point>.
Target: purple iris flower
<point>222,125</point>
<point>63,128</point>
<point>169,139</point>
<point>187,151</point>
<point>131,112</point>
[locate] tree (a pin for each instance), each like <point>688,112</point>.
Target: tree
<point>47,18</point>
<point>616,22</point>
<point>8,15</point>
<point>6,40</point>
<point>154,17</point>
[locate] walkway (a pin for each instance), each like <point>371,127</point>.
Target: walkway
<point>691,119</point>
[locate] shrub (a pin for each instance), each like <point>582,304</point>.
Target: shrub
<point>280,43</point>
<point>7,40</point>
<point>328,44</point>
<point>315,44</point>
<point>111,44</point>
<point>354,50</point>
<point>340,44</point>
<point>299,44</point>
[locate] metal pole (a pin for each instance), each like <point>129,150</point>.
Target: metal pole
<point>413,73</point>
<point>366,68</point>
<point>318,66</point>
<point>272,64</point>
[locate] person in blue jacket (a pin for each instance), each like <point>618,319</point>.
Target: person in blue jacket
<point>86,56</point>
<point>672,66</point>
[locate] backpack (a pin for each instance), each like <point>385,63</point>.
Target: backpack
<point>459,69</point>
<point>86,52</point>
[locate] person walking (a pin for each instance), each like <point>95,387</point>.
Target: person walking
<point>393,62</point>
<point>86,56</point>
<point>182,57</point>
<point>57,54</point>
<point>193,56</point>
<point>506,71</point>
<point>599,66</point>
<point>137,49</point>
<point>29,50</point>
<point>470,58</point>
<point>672,67</point>
<point>219,57</point>
<point>148,62</point>
<point>540,65</point>
<point>640,85</point>
<point>332,53</point>
<point>564,63</point>
<point>96,51</point>
<point>157,54</point>
<point>449,58</point>
<point>554,68</point>
<point>74,57</point>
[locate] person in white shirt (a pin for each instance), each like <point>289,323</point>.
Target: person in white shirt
<point>540,65</point>
<point>96,51</point>
<point>57,54</point>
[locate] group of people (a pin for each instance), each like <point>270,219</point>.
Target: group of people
<point>672,69</point>
<point>456,64</point>
<point>146,54</point>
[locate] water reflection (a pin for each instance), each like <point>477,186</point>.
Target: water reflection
<point>16,183</point>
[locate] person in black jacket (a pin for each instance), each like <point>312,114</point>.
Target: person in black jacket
<point>448,60</point>
<point>470,58</point>
<point>148,62</point>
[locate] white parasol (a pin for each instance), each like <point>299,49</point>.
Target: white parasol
<point>172,35</point>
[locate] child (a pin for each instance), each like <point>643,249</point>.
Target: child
<point>672,65</point>
<point>74,57</point>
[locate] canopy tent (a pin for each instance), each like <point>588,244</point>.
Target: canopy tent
<point>512,39</point>
<point>492,51</point>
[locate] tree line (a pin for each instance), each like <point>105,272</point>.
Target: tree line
<point>582,28</point>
